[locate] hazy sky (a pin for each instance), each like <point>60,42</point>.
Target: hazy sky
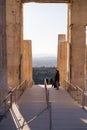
<point>42,24</point>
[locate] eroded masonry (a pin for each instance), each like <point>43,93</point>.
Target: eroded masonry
<point>16,54</point>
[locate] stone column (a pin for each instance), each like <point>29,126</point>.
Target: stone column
<point>77,38</point>
<point>27,61</point>
<point>3,50</point>
<point>62,58</point>
<point>61,38</point>
<point>13,41</point>
<point>68,40</point>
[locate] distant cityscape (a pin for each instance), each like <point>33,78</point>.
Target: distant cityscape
<point>44,61</point>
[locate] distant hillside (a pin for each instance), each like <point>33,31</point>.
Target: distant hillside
<point>40,73</point>
<point>44,61</point>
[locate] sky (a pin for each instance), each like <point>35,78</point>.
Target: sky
<point>42,24</point>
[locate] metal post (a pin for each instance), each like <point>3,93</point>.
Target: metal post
<point>5,107</point>
<point>11,100</point>
<point>48,106</point>
<point>83,100</point>
<point>50,117</point>
<point>47,95</point>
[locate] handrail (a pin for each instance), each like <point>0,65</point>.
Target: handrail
<point>9,99</point>
<point>12,91</point>
<point>83,94</point>
<point>75,86</point>
<point>47,108</point>
<point>48,105</point>
<point>18,86</point>
<point>46,93</point>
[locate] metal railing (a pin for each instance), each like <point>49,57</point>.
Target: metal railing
<point>77,93</point>
<point>13,96</point>
<point>47,108</point>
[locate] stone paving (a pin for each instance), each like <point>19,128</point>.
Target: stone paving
<point>66,113</point>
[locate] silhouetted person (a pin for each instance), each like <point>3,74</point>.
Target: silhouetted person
<point>51,82</point>
<point>47,80</point>
<point>57,79</point>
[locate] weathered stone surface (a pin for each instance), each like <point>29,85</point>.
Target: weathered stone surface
<point>12,48</point>
<point>77,39</point>
<point>3,50</point>
<point>13,39</point>
<point>62,58</point>
<point>27,61</point>
<point>47,1</point>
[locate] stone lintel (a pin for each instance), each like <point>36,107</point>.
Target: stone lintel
<point>46,1</point>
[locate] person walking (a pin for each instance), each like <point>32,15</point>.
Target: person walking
<point>57,79</point>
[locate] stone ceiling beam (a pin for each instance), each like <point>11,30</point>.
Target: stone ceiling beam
<point>46,1</point>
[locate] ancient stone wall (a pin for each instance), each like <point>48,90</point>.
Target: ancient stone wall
<point>11,45</point>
